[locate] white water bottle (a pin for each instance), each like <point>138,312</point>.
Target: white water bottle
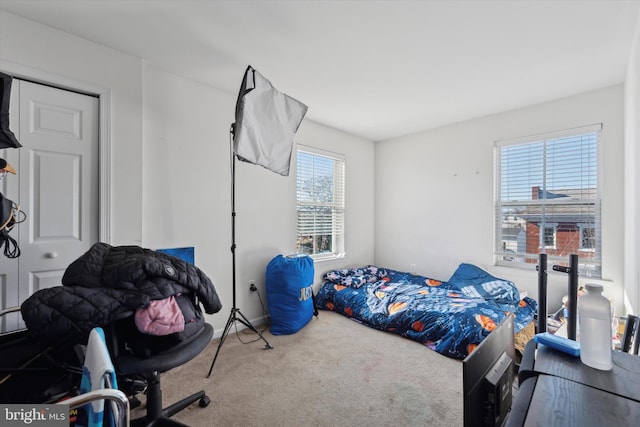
<point>594,317</point>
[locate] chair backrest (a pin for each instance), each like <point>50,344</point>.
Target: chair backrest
<point>631,339</point>
<point>125,339</point>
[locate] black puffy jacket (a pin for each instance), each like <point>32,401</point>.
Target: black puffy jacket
<point>110,283</point>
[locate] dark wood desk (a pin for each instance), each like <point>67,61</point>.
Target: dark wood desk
<point>559,390</point>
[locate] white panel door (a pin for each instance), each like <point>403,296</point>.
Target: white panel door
<point>58,185</point>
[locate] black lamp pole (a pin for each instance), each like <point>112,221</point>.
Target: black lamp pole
<point>235,315</point>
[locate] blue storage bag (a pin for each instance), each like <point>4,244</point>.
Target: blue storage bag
<point>289,285</point>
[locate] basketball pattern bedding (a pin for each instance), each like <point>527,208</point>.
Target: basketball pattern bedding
<point>450,317</point>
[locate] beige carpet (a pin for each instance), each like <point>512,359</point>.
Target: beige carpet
<point>334,372</point>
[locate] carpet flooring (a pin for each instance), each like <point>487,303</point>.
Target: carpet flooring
<point>333,372</point>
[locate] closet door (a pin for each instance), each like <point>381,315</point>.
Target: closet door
<point>57,187</point>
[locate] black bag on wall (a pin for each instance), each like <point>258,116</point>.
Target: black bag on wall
<point>10,215</point>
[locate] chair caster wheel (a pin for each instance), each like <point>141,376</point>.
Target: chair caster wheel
<point>204,401</point>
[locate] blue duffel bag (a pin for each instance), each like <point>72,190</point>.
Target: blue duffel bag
<point>289,285</point>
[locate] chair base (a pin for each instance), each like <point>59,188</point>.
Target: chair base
<point>163,417</point>
<point>160,422</point>
<point>158,416</point>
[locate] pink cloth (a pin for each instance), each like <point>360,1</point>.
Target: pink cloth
<point>161,317</point>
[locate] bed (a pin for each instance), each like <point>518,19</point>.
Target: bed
<point>451,317</point>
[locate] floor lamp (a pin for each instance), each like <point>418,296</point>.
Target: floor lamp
<point>266,121</point>
<point>235,315</point>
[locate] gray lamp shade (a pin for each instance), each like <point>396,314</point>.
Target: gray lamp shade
<point>266,122</point>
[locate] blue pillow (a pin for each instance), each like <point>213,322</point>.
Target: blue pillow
<point>475,282</point>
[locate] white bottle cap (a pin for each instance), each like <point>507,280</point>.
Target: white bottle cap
<point>592,287</point>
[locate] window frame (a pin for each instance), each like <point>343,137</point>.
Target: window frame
<point>583,227</point>
<point>336,205</point>
<point>588,203</point>
<point>554,236</point>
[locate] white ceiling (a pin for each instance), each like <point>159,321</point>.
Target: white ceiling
<point>378,69</point>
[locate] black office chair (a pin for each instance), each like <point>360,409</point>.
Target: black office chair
<point>631,339</point>
<point>139,360</point>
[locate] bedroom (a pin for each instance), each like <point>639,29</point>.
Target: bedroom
<point>169,142</point>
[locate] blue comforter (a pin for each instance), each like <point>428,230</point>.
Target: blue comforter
<point>450,317</point>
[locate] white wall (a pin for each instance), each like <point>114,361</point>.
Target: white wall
<point>170,175</point>
<point>187,189</point>
<point>52,56</point>
<point>434,191</point>
<point>632,176</point>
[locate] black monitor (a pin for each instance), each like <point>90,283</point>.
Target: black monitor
<point>487,377</point>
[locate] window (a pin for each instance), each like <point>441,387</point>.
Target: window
<point>549,237</point>
<point>320,203</point>
<point>548,199</point>
<point>588,237</point>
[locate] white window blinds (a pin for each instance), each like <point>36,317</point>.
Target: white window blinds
<point>320,193</point>
<point>548,199</point>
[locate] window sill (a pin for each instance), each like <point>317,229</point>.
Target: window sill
<point>324,258</point>
<point>534,267</point>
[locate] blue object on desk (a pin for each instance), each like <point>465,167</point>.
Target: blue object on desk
<point>562,344</point>
<point>186,254</point>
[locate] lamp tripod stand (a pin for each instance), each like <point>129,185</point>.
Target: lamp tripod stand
<point>235,315</point>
